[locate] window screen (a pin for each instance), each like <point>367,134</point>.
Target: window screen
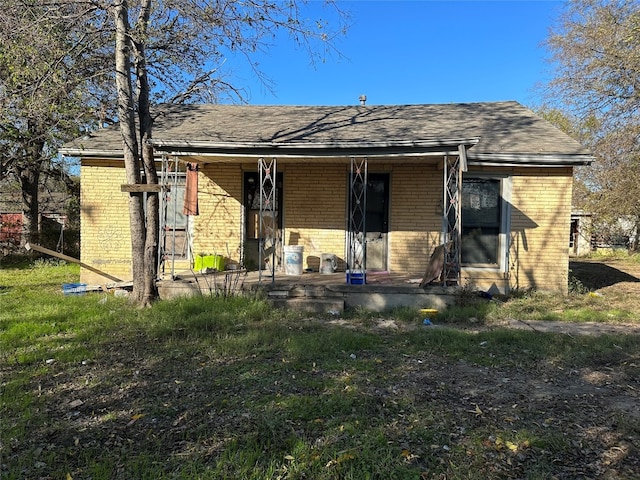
<point>481,215</point>
<point>175,241</point>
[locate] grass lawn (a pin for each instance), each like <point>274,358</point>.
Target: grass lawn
<point>213,388</point>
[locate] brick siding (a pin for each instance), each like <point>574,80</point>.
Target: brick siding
<point>540,226</point>
<point>104,221</point>
<point>315,212</point>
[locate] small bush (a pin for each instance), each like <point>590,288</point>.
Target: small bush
<point>576,286</point>
<point>468,296</point>
<point>45,262</point>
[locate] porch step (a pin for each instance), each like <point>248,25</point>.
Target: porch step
<point>334,306</point>
<point>308,298</point>
<point>313,291</point>
<point>303,291</point>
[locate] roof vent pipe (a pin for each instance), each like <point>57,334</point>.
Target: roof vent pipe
<point>363,99</point>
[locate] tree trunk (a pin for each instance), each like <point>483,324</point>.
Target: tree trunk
<point>126,116</point>
<point>636,235</point>
<point>29,177</point>
<point>148,160</point>
<point>28,173</point>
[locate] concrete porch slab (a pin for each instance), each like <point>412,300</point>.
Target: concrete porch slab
<point>383,291</point>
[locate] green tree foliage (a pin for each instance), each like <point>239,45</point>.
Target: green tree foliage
<point>44,95</point>
<point>584,131</point>
<point>596,50</point>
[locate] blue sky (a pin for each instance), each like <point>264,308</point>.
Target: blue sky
<point>421,51</point>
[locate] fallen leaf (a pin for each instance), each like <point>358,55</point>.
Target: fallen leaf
<point>135,418</point>
<point>344,457</point>
<point>477,410</point>
<point>511,446</point>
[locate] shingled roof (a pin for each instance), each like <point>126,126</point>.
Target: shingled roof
<point>494,132</point>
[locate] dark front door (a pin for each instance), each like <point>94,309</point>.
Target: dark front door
<point>377,221</point>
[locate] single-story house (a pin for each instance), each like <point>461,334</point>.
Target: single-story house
<point>374,188</point>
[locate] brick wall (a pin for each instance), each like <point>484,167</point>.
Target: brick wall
<point>104,221</point>
<point>217,230</point>
<point>540,226</point>
<point>539,234</point>
<point>315,210</point>
<point>415,217</point>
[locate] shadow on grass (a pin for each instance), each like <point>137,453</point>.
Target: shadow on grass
<point>596,275</point>
<point>212,389</point>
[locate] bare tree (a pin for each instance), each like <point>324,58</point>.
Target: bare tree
<point>596,50</point>
<point>129,45</point>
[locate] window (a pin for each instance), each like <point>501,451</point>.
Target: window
<point>483,222</point>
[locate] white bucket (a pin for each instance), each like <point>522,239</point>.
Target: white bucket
<point>328,263</point>
<point>293,259</point>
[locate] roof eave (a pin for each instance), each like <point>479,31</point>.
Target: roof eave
<point>89,153</point>
<point>528,159</point>
<point>329,149</point>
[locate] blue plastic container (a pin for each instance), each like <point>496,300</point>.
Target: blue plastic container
<point>74,288</point>
<point>356,277</point>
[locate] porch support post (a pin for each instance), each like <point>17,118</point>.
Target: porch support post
<point>356,233</point>
<point>453,169</point>
<point>267,218</point>
<point>163,217</point>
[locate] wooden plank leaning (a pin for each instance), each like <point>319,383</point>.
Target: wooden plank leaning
<point>38,248</point>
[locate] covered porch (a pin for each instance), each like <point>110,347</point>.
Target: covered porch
<point>362,232</point>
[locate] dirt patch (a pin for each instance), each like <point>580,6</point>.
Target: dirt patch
<point>139,400</point>
<point>574,328</point>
